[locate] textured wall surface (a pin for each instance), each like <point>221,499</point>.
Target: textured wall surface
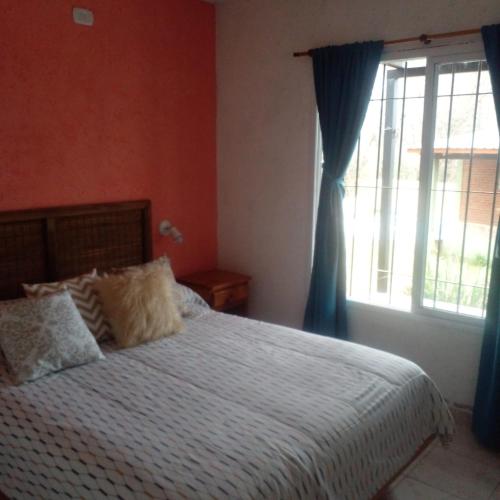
<point>266,147</point>
<point>121,110</point>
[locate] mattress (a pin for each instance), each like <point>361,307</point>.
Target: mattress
<point>229,408</point>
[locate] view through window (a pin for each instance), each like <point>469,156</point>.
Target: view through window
<point>437,172</point>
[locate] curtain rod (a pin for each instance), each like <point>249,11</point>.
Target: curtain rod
<point>425,39</point>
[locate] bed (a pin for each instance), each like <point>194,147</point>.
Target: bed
<point>229,408</point>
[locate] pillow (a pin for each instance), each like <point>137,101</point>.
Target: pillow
<point>160,262</point>
<point>187,299</point>
<point>41,336</point>
<point>184,297</point>
<point>86,300</point>
<point>139,304</point>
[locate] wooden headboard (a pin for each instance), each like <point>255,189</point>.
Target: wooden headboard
<point>55,243</point>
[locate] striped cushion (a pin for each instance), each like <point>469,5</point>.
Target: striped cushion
<point>84,296</point>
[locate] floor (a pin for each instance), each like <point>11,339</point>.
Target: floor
<point>464,470</point>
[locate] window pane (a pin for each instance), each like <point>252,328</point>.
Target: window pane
<point>485,80</point>
<point>462,122</point>
<point>461,78</point>
<point>378,86</point>
<point>359,239</point>
<point>446,75</point>
<point>442,120</point>
<point>466,78</point>
<point>463,211</point>
<point>382,189</point>
<point>364,169</point>
<point>486,133</point>
<point>412,139</point>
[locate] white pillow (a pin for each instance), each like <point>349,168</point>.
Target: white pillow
<point>188,301</point>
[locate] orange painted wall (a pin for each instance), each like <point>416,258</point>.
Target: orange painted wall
<point>122,110</point>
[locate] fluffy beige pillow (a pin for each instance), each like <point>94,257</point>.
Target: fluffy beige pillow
<point>140,304</point>
<point>164,262</point>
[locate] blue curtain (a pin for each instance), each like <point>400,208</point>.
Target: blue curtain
<point>343,79</point>
<point>486,418</point>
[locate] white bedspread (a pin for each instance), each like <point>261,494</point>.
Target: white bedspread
<point>231,408</point>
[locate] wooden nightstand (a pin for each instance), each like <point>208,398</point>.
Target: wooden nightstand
<point>223,290</point>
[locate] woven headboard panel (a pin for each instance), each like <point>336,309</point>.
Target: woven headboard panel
<point>50,244</point>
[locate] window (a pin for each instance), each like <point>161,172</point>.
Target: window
<point>422,188</point>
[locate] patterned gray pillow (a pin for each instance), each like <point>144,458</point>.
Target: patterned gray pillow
<point>45,335</point>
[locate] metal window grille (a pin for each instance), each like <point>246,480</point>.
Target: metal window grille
<point>384,183</point>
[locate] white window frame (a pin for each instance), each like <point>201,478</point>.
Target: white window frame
<point>457,50</point>
<point>423,211</point>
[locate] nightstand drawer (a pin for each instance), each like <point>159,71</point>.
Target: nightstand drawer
<point>229,297</point>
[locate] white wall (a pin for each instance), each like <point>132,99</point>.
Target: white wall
<point>266,139</point>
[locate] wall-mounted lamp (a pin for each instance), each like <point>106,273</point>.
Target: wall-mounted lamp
<point>167,229</point>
